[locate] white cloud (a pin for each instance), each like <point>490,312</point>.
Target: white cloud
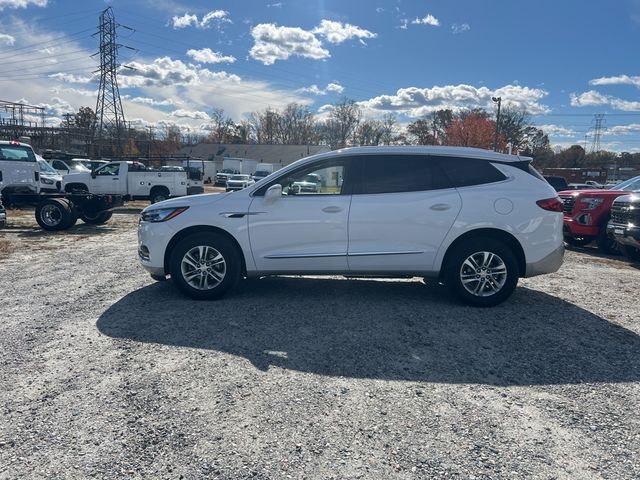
<point>338,32</point>
<point>22,3</point>
<point>427,20</point>
<point>415,102</point>
<point>617,80</point>
<point>6,39</point>
<point>150,101</point>
<point>206,55</point>
<point>557,130</point>
<point>593,98</point>
<point>71,78</point>
<point>315,90</point>
<point>404,23</point>
<point>629,129</point>
<point>208,20</point>
<point>74,91</point>
<point>196,115</point>
<point>273,43</point>
<point>274,5</point>
<point>460,28</point>
<point>379,9</point>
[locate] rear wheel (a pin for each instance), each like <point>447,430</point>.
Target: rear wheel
<point>96,218</point>
<point>205,266</point>
<point>482,272</point>
<point>158,195</point>
<point>55,214</point>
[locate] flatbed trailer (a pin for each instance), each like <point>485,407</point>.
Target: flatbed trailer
<point>60,211</point>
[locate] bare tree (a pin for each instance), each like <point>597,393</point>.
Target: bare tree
<point>389,128</point>
<point>344,118</point>
<point>369,132</point>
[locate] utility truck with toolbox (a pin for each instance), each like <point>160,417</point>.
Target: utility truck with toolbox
<point>132,180</point>
<point>20,186</point>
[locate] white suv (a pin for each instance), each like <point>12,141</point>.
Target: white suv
<point>475,219</point>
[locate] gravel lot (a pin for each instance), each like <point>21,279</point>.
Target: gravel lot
<point>107,374</point>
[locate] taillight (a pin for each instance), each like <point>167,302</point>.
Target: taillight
<point>552,204</point>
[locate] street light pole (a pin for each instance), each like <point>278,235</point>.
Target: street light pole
<point>497,100</point>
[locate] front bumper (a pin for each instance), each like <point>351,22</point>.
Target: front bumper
<point>549,264</point>
<point>574,228</point>
<point>153,239</point>
<point>625,234</point>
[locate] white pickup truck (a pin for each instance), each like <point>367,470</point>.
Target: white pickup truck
<point>132,180</point>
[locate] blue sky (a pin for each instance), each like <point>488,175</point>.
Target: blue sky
<point>563,61</point>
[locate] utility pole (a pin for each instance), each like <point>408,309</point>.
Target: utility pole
<point>497,100</point>
<point>110,121</point>
<point>598,121</point>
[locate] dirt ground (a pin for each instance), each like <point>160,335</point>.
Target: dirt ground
<point>107,374</point>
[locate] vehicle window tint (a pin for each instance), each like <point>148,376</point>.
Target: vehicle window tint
<point>111,169</point>
<point>16,153</point>
<point>324,178</point>
<point>59,165</point>
<point>463,172</point>
<point>398,173</point>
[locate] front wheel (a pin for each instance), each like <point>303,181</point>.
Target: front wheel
<point>631,253</point>
<point>55,214</point>
<point>606,243</point>
<point>482,272</point>
<point>205,266</point>
<point>578,241</point>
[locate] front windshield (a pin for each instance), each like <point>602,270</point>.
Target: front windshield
<point>78,167</point>
<point>631,185</point>
<point>46,168</point>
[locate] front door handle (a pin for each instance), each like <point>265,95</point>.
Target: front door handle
<point>116,178</point>
<point>440,207</point>
<point>332,209</point>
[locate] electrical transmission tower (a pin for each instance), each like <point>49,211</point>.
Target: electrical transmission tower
<point>598,121</point>
<point>110,123</point>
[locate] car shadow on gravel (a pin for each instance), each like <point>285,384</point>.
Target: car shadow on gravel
<point>385,330</point>
<point>27,231</point>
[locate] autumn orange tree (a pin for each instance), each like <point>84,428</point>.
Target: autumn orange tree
<point>473,129</point>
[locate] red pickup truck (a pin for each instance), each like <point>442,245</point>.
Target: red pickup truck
<point>586,213</point>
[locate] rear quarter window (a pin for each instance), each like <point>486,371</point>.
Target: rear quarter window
<point>464,172</point>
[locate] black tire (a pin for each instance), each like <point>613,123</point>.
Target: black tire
<point>218,245</point>
<point>631,253</point>
<point>504,260</point>
<point>55,214</point>
<point>606,243</point>
<point>96,218</point>
<point>578,241</point>
<point>76,187</point>
<point>158,194</point>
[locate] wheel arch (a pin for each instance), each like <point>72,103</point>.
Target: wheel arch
<point>201,229</point>
<point>495,234</point>
<point>69,187</point>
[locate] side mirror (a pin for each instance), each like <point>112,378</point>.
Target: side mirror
<point>93,174</point>
<point>273,193</point>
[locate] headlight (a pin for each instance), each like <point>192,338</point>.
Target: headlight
<point>591,203</point>
<point>156,215</point>
<point>47,181</point>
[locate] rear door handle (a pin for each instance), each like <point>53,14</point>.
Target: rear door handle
<point>332,209</point>
<point>439,207</point>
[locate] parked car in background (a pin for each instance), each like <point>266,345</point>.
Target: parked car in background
<point>65,167</point>
<point>587,212</point>
<point>223,175</point>
<point>594,184</point>
<point>19,170</point>
<point>50,179</point>
<point>90,164</point>
<point>131,179</point>
<point>557,182</point>
<point>238,182</point>
<point>477,220</point>
<point>579,186</point>
<point>260,174</point>
<point>624,225</point>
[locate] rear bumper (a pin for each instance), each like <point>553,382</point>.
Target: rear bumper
<point>549,264</point>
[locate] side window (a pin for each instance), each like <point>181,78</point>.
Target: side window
<point>110,169</point>
<point>323,178</point>
<point>58,165</point>
<point>398,173</point>
<point>463,172</point>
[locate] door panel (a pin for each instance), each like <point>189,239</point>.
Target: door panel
<point>396,232</point>
<point>108,180</point>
